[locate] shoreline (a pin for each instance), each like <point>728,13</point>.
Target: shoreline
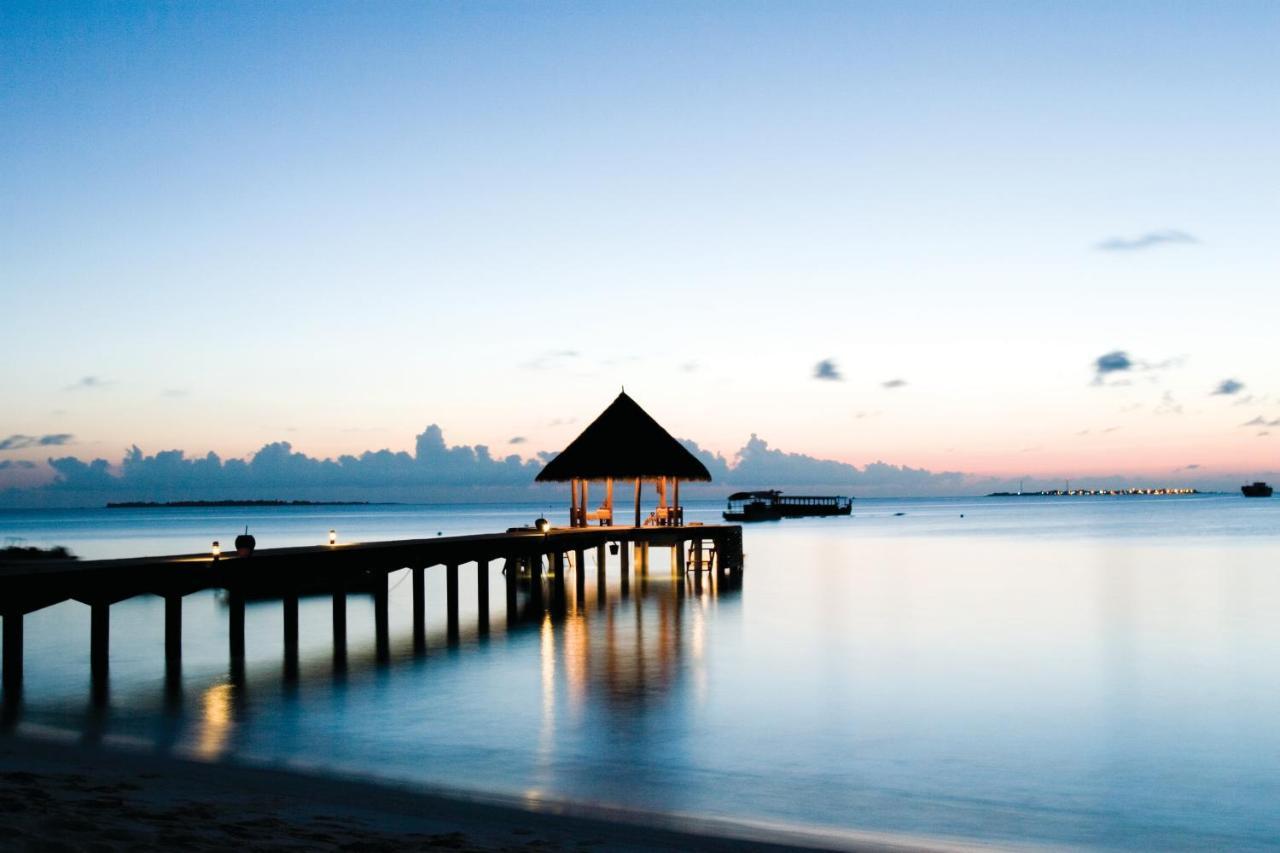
<point>59,793</point>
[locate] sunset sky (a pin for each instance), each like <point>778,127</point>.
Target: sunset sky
<point>1022,239</point>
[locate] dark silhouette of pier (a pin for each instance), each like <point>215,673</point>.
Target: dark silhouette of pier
<point>534,564</point>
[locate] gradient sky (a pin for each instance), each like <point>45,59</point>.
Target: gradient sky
<point>228,224</point>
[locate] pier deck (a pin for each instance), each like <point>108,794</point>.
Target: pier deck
<point>286,573</point>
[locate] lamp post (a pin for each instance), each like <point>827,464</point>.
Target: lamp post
<point>333,537</point>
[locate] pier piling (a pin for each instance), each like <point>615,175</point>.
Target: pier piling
<point>339,623</point>
<point>482,594</point>
<point>451,599</point>
<point>419,608</point>
<point>381,622</point>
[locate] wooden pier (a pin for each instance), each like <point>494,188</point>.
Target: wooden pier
<point>529,557</point>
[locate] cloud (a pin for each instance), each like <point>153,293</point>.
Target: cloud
<point>1120,362</point>
<point>1149,240</point>
<point>827,370</point>
<point>1262,422</point>
<point>1112,362</point>
<point>689,366</point>
<point>1229,387</point>
<point>551,359</point>
<point>757,465</point>
<point>87,383</point>
<point>1194,466</point>
<point>894,383</point>
<point>1168,405</point>
<point>23,464</point>
<point>18,441</point>
<point>517,439</point>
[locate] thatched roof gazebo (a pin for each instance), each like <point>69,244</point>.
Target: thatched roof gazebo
<point>624,443</point>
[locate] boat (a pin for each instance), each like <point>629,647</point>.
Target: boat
<point>1256,490</point>
<point>772,505</point>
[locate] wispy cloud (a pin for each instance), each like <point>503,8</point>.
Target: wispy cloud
<point>827,371</point>
<point>894,383</point>
<point>1229,387</point>
<point>87,383</point>
<point>16,464</point>
<point>552,359</point>
<point>1260,421</point>
<point>18,441</point>
<point>1150,240</point>
<point>1168,405</point>
<point>1194,466</point>
<point>517,439</point>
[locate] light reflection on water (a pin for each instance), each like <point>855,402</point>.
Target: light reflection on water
<point>1091,673</point>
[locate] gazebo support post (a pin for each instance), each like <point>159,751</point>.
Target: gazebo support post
<point>573,502</point>
<point>585,508</point>
<point>637,501</point>
<point>675,507</point>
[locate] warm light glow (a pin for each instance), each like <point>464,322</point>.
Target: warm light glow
<point>215,721</point>
<point>217,549</point>
<point>333,537</point>
<point>542,524</point>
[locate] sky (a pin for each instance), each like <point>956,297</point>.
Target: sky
<point>1002,239</point>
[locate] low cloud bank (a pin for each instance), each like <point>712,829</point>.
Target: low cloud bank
<point>437,472</point>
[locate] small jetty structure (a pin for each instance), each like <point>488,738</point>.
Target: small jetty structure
<point>624,443</point>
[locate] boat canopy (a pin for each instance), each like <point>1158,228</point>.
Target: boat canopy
<point>747,496</point>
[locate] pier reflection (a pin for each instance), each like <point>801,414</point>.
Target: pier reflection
<point>598,648</point>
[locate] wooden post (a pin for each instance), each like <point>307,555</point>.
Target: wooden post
<point>290,634</point>
<point>601,582</point>
<point>680,564</point>
<point>585,507</point>
<point>235,624</point>
<point>637,501</point>
<point>451,599</point>
<point>579,576</point>
<point>12,655</point>
<point>172,633</point>
<point>624,552</point>
<point>677,513</point>
<point>99,648</point>
<point>608,499</point>
<point>339,621</point>
<point>482,593</point>
<point>381,622</point>
<point>419,607</point>
<point>573,502</point>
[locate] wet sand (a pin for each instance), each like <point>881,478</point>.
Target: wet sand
<point>64,797</point>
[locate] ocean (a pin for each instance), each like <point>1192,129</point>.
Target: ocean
<point>1089,672</point>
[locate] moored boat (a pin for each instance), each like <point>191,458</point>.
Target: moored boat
<point>771,505</point>
<point>1256,490</point>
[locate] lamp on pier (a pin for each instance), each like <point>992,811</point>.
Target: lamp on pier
<point>217,549</point>
<point>333,536</point>
<point>543,525</point>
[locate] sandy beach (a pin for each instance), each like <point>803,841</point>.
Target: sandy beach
<point>61,797</point>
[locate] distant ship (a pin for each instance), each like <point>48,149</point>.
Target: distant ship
<point>1256,490</point>
<point>772,505</point>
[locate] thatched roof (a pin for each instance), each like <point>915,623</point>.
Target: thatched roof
<point>624,443</point>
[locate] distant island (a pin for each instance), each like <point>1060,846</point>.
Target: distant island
<point>1060,493</point>
<point>167,504</point>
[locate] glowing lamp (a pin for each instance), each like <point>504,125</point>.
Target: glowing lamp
<point>333,537</point>
<point>217,549</point>
<point>542,524</point>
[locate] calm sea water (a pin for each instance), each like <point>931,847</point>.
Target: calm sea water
<point>1084,672</point>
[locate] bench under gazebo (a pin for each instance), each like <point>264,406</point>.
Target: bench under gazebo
<point>623,444</point>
